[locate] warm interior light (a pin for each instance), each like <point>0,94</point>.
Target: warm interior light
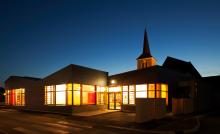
<point>61,94</point>
<point>113,81</point>
<point>141,91</point>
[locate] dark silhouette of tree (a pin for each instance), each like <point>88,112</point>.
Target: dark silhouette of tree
<point>2,97</point>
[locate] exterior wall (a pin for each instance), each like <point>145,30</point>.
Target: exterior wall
<point>214,91</point>
<point>34,91</point>
<point>203,97</point>
<point>182,106</point>
<point>77,74</point>
<point>154,74</point>
<point>149,109</point>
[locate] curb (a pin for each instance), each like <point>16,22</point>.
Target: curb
<point>196,128</point>
<point>140,130</point>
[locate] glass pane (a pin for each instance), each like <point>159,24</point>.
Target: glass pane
<point>151,87</point>
<point>76,94</point>
<point>88,94</point>
<point>158,94</point>
<point>61,94</point>
<point>163,94</point>
<point>115,89</point>
<point>164,87</point>
<point>131,88</point>
<point>158,86</point>
<point>141,91</point>
<point>69,94</point>
<point>131,97</point>
<point>76,97</point>
<point>117,100</point>
<point>125,88</point>
<point>151,91</point>
<point>125,97</point>
<point>101,89</point>
<point>111,101</point>
<point>151,94</point>
<point>100,98</point>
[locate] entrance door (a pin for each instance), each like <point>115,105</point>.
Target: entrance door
<point>114,100</point>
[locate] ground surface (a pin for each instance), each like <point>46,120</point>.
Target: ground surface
<point>15,122</point>
<point>210,124</point>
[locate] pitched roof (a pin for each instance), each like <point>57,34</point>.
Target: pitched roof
<point>150,75</point>
<point>146,50</point>
<point>181,66</point>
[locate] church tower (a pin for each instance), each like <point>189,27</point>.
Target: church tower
<point>145,60</point>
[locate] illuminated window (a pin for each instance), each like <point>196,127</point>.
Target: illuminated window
<point>164,92</point>
<point>58,94</point>
<point>7,97</point>
<point>141,91</point>
<point>49,95</point>
<point>151,90</point>
<point>125,94</point>
<point>114,89</point>
<point>76,94</point>
<point>158,90</point>
<point>15,97</point>
<point>131,94</point>
<point>61,94</point>
<point>69,94</point>
<point>101,97</point>
<point>88,94</point>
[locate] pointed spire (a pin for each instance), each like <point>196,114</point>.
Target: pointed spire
<point>146,49</point>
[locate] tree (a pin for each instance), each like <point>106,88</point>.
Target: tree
<point>2,97</point>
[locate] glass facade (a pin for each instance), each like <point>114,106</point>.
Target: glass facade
<point>75,94</point>
<point>130,92</point>
<point>101,95</point>
<point>88,94</point>
<point>15,97</point>
<point>81,94</point>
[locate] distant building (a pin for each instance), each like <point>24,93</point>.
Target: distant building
<point>76,88</point>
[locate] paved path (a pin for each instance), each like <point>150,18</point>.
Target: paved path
<point>14,122</point>
<point>209,124</point>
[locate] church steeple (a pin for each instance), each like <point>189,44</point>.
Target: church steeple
<point>145,60</point>
<point>146,50</point>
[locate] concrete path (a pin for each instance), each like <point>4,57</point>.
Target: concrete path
<point>95,112</point>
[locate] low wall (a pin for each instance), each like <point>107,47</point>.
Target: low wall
<point>128,108</point>
<point>182,106</point>
<point>86,108</point>
<point>148,109</point>
<point>48,109</point>
<point>68,110</point>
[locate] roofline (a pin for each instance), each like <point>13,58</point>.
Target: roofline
<point>70,65</point>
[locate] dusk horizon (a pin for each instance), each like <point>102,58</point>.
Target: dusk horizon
<point>38,38</point>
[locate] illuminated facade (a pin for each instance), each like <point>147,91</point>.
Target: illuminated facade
<point>75,94</point>
<point>76,88</point>
<point>15,97</point>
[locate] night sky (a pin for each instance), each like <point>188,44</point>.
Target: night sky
<point>39,37</point>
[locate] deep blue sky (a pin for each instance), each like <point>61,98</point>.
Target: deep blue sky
<point>39,37</point>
